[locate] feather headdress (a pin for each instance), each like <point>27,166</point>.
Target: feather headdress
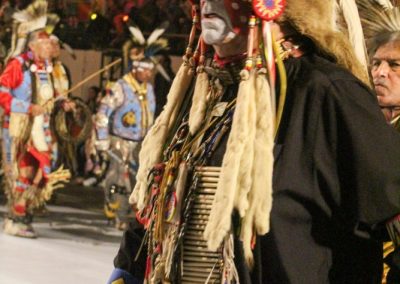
<point>146,49</point>
<point>378,22</point>
<point>386,4</point>
<point>51,22</point>
<point>33,18</point>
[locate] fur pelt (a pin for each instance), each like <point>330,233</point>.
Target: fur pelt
<point>241,201</point>
<point>199,102</point>
<point>256,219</point>
<point>228,185</point>
<point>38,134</point>
<point>314,20</point>
<point>154,141</point>
<point>18,123</point>
<point>246,175</point>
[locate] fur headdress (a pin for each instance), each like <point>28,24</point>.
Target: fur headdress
<point>33,18</point>
<point>316,20</point>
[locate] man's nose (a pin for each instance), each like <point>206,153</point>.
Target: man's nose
<point>383,69</point>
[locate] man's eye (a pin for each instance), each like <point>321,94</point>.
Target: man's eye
<point>395,65</point>
<point>376,63</point>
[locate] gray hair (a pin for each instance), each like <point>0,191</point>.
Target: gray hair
<point>383,39</point>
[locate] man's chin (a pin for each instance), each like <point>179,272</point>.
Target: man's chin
<point>213,37</point>
<point>380,90</point>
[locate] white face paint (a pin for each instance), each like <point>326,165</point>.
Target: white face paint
<point>214,30</point>
<point>215,22</point>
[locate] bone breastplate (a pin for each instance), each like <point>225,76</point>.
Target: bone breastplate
<point>200,264</point>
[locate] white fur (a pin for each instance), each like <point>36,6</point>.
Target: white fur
<point>246,161</point>
<point>18,123</point>
<point>153,143</point>
<point>199,102</point>
<point>256,219</point>
<point>246,174</point>
<point>220,215</point>
<point>38,135</point>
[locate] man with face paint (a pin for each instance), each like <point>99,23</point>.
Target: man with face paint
<point>217,22</point>
<point>29,148</point>
<point>205,199</point>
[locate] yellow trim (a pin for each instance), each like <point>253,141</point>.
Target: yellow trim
<point>141,93</point>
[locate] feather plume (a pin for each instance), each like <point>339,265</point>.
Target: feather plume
<point>155,47</point>
<point>386,4</point>
<point>163,73</point>
<point>157,33</point>
<point>356,36</point>
<point>26,21</point>
<point>52,21</point>
<point>68,49</point>
<point>137,35</point>
<point>35,10</point>
<point>376,21</point>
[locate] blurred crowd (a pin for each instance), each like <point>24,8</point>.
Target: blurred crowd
<point>91,24</point>
<point>105,22</point>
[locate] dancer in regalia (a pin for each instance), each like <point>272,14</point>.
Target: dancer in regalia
<point>271,162</point>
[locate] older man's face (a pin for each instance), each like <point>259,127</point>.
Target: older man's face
<point>386,74</point>
<point>215,22</point>
<point>42,48</point>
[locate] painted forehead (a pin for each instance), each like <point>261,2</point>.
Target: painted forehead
<point>238,11</point>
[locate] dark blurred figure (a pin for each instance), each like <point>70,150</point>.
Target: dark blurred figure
<point>161,84</point>
<point>93,98</point>
<point>86,153</point>
<point>154,12</point>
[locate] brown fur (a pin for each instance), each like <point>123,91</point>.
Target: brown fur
<point>314,20</point>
